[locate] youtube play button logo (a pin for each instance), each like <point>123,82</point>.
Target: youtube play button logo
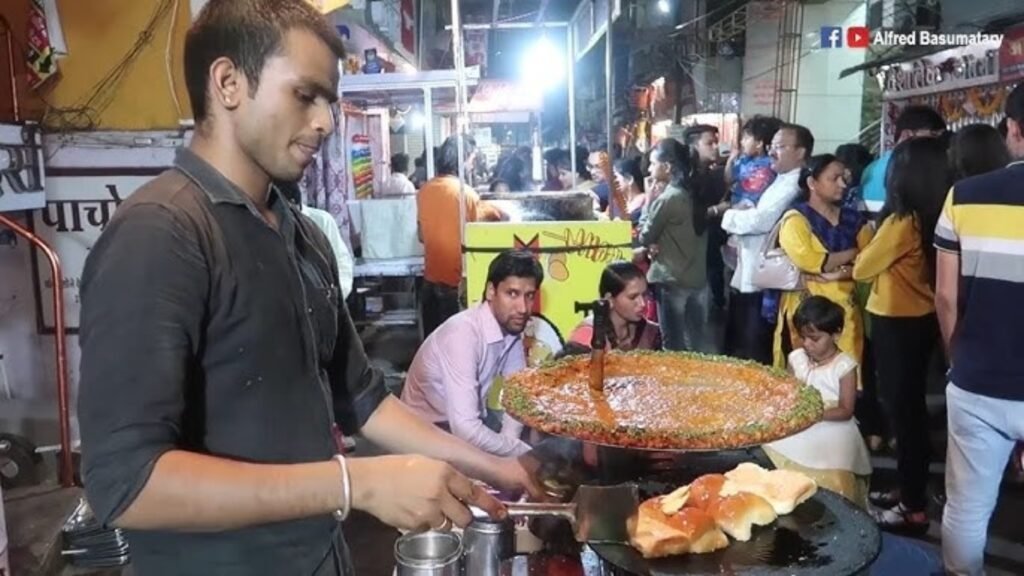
<point>857,37</point>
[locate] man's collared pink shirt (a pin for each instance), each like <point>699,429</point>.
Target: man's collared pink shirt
<point>452,374</point>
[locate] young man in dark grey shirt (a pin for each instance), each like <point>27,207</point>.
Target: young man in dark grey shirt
<point>217,357</point>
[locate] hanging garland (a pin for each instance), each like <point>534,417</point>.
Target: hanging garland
<point>986,102</point>
<point>977,104</point>
<point>950,108</point>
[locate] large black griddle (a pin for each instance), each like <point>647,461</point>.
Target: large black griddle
<point>825,535</point>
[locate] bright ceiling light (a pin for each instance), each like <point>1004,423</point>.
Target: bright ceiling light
<point>416,120</point>
<point>543,65</point>
<point>664,6</point>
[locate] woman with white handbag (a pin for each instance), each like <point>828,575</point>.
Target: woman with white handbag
<point>820,238</point>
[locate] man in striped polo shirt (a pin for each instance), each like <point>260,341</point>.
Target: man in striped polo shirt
<point>979,289</point>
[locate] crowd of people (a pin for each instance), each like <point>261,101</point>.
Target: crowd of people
<point>859,304</point>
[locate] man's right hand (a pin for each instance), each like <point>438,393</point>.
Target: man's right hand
<point>416,493</point>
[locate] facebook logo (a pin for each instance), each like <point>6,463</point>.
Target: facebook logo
<point>831,37</point>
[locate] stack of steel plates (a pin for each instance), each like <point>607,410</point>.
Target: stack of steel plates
<point>87,544</point>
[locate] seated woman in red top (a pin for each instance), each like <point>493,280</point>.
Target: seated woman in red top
<point>624,286</point>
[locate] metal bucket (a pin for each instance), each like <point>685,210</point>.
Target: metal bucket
<point>428,554</point>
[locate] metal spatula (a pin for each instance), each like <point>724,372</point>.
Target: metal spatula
<point>598,514</point>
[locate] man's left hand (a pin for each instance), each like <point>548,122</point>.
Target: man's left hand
<point>518,475</point>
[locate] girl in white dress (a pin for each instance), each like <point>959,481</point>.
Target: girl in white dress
<point>832,451</point>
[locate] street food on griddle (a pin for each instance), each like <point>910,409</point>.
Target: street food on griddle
<point>704,491</point>
<point>663,401</point>
<point>690,531</point>
<point>696,518</point>
<point>674,501</point>
<point>736,515</point>
<point>783,489</point>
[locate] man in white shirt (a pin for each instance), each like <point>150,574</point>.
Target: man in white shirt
<point>748,335</point>
<point>398,184</point>
<point>329,226</point>
<point>453,371</point>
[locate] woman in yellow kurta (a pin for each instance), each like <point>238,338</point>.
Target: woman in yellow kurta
<point>822,238</point>
<point>900,261</point>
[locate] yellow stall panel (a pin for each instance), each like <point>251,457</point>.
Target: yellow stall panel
<point>573,255</point>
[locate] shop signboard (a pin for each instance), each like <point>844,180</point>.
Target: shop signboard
<point>572,254</point>
<point>1011,55</point>
<point>78,208</point>
<point>953,69</point>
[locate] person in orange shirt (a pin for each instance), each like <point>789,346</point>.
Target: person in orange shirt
<point>437,207</point>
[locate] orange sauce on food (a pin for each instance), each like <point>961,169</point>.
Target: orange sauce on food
<point>660,394</point>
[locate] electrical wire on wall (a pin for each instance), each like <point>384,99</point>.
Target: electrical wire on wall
<point>84,115</point>
<point>168,59</point>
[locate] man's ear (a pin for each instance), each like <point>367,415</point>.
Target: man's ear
<point>228,85</point>
<point>1014,130</point>
<point>489,292</point>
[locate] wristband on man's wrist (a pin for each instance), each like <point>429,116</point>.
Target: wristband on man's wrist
<point>346,485</point>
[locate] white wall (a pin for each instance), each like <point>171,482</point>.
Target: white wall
<point>28,355</point>
<point>830,107</point>
<point>196,6</point>
<point>760,58</point>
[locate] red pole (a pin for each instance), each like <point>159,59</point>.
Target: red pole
<point>67,478</point>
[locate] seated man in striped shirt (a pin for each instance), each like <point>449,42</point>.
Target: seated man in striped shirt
<point>979,287</point>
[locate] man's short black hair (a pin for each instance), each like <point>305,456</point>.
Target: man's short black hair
<point>400,163</point>
<point>919,117</point>
<point>247,32</point>
<point>693,133</point>
<point>1015,105</point>
<point>514,264</point>
<point>804,138</point>
<point>821,314</point>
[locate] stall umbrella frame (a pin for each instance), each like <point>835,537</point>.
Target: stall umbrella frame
<point>462,102</point>
<point>426,82</point>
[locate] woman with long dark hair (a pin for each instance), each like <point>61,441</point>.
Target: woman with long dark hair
<point>630,179</point>
<point>624,287</point>
<point>679,261</point>
<point>856,157</point>
<point>822,237</point>
<point>977,149</point>
<point>900,261</point>
<point>513,173</point>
